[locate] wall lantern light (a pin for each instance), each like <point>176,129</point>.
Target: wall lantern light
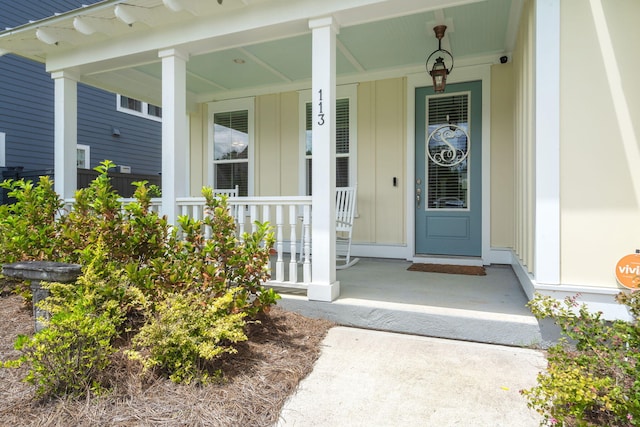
<point>438,70</point>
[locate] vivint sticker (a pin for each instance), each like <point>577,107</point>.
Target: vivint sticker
<point>628,271</point>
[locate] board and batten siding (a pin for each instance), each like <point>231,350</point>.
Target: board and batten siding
<point>524,144</point>
<point>502,157</point>
<point>381,155</point>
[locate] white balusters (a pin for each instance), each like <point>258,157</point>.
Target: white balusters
<point>306,250</point>
<point>292,213</point>
<point>293,264</point>
<point>279,245</point>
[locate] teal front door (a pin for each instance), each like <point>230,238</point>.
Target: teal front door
<point>448,192</point>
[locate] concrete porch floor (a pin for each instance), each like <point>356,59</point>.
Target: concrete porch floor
<point>382,294</point>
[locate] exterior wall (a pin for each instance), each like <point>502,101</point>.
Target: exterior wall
<point>139,144</point>
<point>600,160</point>
<point>198,149</point>
<point>26,109</point>
<point>381,157</point>
<point>502,156</point>
<point>524,139</point>
<point>26,113</point>
<point>277,145</point>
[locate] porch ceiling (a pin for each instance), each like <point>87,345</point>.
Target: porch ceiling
<point>245,47</point>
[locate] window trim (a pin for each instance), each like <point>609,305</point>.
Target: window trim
<point>247,104</point>
<point>144,113</point>
<point>349,91</point>
<point>3,139</point>
<point>87,155</point>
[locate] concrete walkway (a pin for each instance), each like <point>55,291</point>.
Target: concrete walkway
<point>372,378</point>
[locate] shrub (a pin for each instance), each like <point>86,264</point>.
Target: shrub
<point>183,298</point>
<point>28,226</point>
<point>132,233</point>
<point>68,356</point>
<point>593,379</point>
<point>186,334</point>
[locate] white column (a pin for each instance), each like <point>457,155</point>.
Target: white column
<point>175,135</point>
<point>324,286</point>
<point>547,137</point>
<point>65,133</point>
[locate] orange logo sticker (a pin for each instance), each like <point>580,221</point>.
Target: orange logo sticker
<point>628,271</point>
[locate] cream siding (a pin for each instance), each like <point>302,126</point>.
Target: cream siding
<point>524,139</point>
<point>277,145</point>
<point>199,151</point>
<point>381,154</point>
<point>600,202</point>
<point>502,156</point>
<point>381,157</point>
<point>268,146</point>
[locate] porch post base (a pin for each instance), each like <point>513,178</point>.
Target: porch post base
<point>323,292</point>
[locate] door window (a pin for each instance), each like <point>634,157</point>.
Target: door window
<point>447,152</point>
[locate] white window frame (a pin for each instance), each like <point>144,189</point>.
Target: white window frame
<point>304,97</point>
<point>3,158</point>
<point>247,104</point>
<point>144,113</point>
<point>87,155</point>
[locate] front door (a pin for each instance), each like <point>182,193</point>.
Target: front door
<point>448,192</point>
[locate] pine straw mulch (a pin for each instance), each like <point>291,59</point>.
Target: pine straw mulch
<point>258,379</point>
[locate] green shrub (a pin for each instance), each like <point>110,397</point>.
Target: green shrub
<point>186,334</point>
<point>182,297</point>
<point>132,233</point>
<point>28,226</point>
<point>593,379</point>
<point>68,356</point>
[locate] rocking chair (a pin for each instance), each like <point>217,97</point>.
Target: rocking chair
<point>345,213</point>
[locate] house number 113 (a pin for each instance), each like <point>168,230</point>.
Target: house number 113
<point>320,113</point>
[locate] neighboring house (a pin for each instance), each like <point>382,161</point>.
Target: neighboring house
<point>551,182</point>
<point>108,127</point>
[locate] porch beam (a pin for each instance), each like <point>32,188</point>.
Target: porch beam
<point>324,286</point>
<point>175,137</point>
<point>65,132</point>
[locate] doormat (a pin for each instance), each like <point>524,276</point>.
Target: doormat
<point>470,270</point>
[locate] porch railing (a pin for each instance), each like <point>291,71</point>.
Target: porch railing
<point>290,218</point>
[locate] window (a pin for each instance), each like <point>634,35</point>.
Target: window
<point>231,142</point>
<point>448,151</point>
<point>83,158</point>
<point>138,108</point>
<point>345,138</point>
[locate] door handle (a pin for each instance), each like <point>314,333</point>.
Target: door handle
<point>418,196</point>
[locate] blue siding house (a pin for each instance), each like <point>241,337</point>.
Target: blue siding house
<point>120,129</point>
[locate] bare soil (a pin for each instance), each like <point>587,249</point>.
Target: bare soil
<point>280,352</point>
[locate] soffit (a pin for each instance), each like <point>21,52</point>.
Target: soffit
<point>374,37</point>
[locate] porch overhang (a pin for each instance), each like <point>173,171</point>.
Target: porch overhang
<point>114,44</point>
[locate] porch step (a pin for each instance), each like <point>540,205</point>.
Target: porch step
<point>451,323</point>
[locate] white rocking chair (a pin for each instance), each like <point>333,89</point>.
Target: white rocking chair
<point>345,213</point>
